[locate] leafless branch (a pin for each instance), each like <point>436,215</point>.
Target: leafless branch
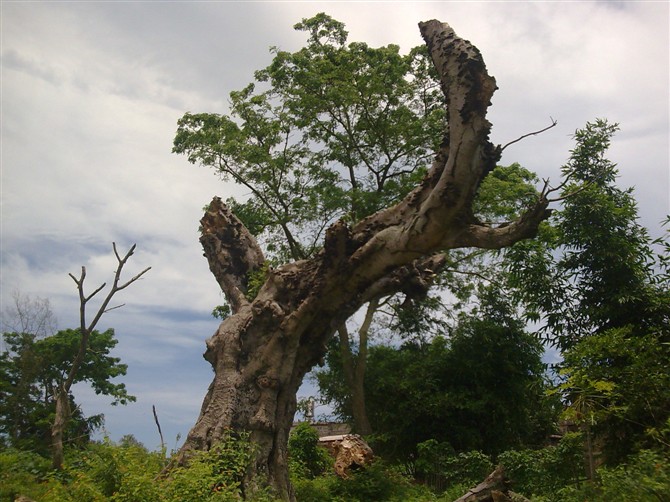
<point>114,308</point>
<point>475,274</point>
<point>87,329</point>
<point>553,124</point>
<point>158,425</point>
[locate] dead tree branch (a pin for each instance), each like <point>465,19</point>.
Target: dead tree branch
<point>535,133</point>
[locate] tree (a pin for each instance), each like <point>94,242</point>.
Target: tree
<point>84,336</point>
<point>29,315</point>
<point>33,368</point>
<point>262,351</point>
<point>603,297</point>
<point>342,131</point>
<point>481,387</point>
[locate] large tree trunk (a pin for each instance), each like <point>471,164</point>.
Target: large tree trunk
<point>261,353</point>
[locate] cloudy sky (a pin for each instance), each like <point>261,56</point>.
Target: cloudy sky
<point>91,93</point>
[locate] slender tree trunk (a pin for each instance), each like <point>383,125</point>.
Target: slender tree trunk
<point>261,353</point>
<point>354,369</point>
<point>58,427</point>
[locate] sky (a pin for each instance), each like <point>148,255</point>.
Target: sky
<point>90,97</point>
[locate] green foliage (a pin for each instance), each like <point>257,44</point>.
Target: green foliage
<point>376,482</point>
<point>618,380</point>
<point>104,471</point>
<point>306,458</point>
<point>129,473</point>
<point>601,276</point>
<point>438,466</point>
<point>256,279</point>
<point>645,477</point>
<point>22,473</point>
<point>542,472</point>
<point>482,388</point>
<point>604,299</point>
<point>505,193</point>
<point>213,475</point>
<point>221,311</point>
<point>334,130</point>
<point>31,369</point>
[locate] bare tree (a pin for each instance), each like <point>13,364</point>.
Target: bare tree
<point>261,353</point>
<point>31,315</point>
<point>85,330</point>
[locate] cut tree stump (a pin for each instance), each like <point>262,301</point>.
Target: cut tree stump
<point>350,452</point>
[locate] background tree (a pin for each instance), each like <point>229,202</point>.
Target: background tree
<point>76,365</point>
<point>29,314</point>
<point>33,368</point>
<point>479,388</point>
<point>261,352</point>
<point>602,295</point>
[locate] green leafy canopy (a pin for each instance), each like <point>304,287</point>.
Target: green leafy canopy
<point>334,130</point>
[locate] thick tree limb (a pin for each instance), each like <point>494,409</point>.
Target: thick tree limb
<point>231,250</point>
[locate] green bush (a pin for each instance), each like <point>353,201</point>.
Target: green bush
<point>129,473</point>
<point>542,472</point>
<point>468,468</point>
<point>212,475</point>
<point>376,482</point>
<point>645,477</point>
<point>105,471</point>
<point>439,466</point>
<point>306,458</point>
<point>22,473</point>
<point>319,489</point>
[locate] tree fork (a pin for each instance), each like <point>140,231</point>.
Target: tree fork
<point>261,353</point>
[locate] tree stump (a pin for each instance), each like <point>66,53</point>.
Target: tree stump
<point>350,453</point>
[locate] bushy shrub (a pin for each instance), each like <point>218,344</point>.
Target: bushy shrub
<point>441,468</point>
<point>468,468</point>
<point>212,475</point>
<point>22,473</point>
<point>645,477</point>
<point>376,482</point>
<point>306,458</point>
<point>105,471</point>
<point>537,472</point>
<point>373,483</point>
<point>129,473</point>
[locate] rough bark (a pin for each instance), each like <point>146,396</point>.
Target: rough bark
<point>261,352</point>
<point>352,452</point>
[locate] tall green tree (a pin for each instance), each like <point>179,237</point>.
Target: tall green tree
<point>602,294</point>
<point>334,130</point>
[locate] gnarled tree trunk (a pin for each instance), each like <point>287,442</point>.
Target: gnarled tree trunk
<point>261,353</point>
